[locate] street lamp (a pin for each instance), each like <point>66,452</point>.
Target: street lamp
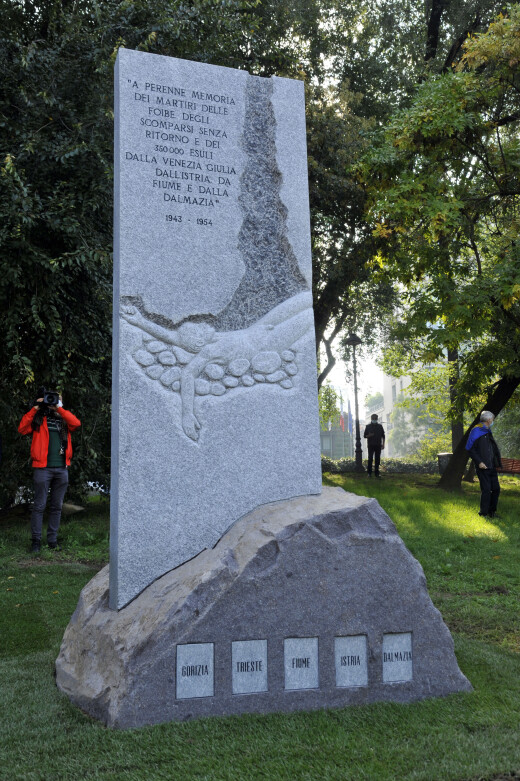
<point>353,341</point>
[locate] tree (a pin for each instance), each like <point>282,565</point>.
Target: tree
<point>445,202</point>
<point>374,400</point>
<point>424,405</point>
<point>56,205</point>
<point>56,131</point>
<point>328,404</point>
<point>507,428</point>
<point>379,50</point>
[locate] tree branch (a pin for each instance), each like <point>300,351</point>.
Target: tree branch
<point>507,120</point>
<point>434,25</point>
<point>331,361</point>
<point>458,44</point>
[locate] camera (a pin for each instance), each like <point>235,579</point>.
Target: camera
<point>50,399</point>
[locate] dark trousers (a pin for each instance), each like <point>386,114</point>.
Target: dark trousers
<point>57,479</point>
<point>374,450</point>
<point>490,490</point>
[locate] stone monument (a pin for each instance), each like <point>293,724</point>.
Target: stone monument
<point>312,602</point>
<point>214,383</point>
<point>235,584</point>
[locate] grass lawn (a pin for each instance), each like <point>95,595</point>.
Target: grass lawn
<point>472,566</point>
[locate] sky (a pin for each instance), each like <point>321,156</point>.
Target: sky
<point>370,380</point>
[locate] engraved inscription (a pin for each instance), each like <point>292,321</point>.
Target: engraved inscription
<point>195,670</point>
<point>249,666</point>
<point>301,663</point>
<point>181,128</point>
<point>252,340</point>
<point>254,666</point>
<point>397,657</point>
<point>351,661</point>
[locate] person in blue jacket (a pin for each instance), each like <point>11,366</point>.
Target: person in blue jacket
<point>485,453</point>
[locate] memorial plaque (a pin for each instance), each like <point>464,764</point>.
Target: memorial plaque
<point>249,666</point>
<point>351,661</point>
<point>301,663</point>
<point>397,657</point>
<point>214,373</point>
<point>195,670</point>
<point>280,571</point>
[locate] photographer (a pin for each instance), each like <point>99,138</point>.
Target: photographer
<point>51,451</point>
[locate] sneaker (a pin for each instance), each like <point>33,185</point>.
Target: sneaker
<point>379,477</point>
<point>53,545</point>
<point>495,515</point>
<point>36,546</point>
<point>369,474</point>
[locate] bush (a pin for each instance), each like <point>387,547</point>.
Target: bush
<point>388,465</point>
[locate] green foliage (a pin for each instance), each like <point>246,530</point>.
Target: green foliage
<point>406,428</point>
<point>56,137</point>
<point>374,400</point>
<point>345,295</point>
<point>328,400</point>
<point>421,416</point>
<point>445,186</point>
<point>379,51</point>
<point>506,429</point>
<point>413,466</point>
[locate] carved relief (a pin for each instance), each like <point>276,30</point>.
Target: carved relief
<point>194,359</point>
<point>251,340</point>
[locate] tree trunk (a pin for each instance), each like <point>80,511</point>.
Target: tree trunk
<point>457,427</point>
<point>469,477</point>
<point>434,26</point>
<point>498,396</point>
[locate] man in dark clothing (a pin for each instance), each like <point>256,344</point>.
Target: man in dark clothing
<point>485,453</point>
<point>375,436</point>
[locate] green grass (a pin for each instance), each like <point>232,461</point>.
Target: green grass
<point>473,572</point>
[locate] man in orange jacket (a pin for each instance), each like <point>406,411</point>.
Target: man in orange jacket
<point>51,452</point>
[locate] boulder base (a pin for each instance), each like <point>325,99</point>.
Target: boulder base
<point>312,602</point>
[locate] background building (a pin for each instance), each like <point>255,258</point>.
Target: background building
<point>402,427</point>
<point>336,443</point>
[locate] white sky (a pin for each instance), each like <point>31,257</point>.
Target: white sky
<point>370,380</point>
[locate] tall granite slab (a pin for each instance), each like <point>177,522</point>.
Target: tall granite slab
<point>214,372</point>
<point>312,602</point>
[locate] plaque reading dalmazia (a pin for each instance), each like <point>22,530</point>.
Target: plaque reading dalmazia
<point>214,390</point>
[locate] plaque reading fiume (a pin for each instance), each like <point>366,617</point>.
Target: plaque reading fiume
<point>214,390</point>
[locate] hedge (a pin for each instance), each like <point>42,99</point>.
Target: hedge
<point>388,465</point>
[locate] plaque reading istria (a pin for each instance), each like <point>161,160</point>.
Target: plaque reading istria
<point>214,382</point>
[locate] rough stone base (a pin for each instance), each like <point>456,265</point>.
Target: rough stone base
<point>337,606</point>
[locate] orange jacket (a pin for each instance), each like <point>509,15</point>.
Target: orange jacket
<point>40,439</point>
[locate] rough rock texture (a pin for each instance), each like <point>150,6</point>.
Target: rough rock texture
<point>316,568</point>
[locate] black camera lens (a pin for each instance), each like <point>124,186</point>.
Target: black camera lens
<point>51,398</point>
